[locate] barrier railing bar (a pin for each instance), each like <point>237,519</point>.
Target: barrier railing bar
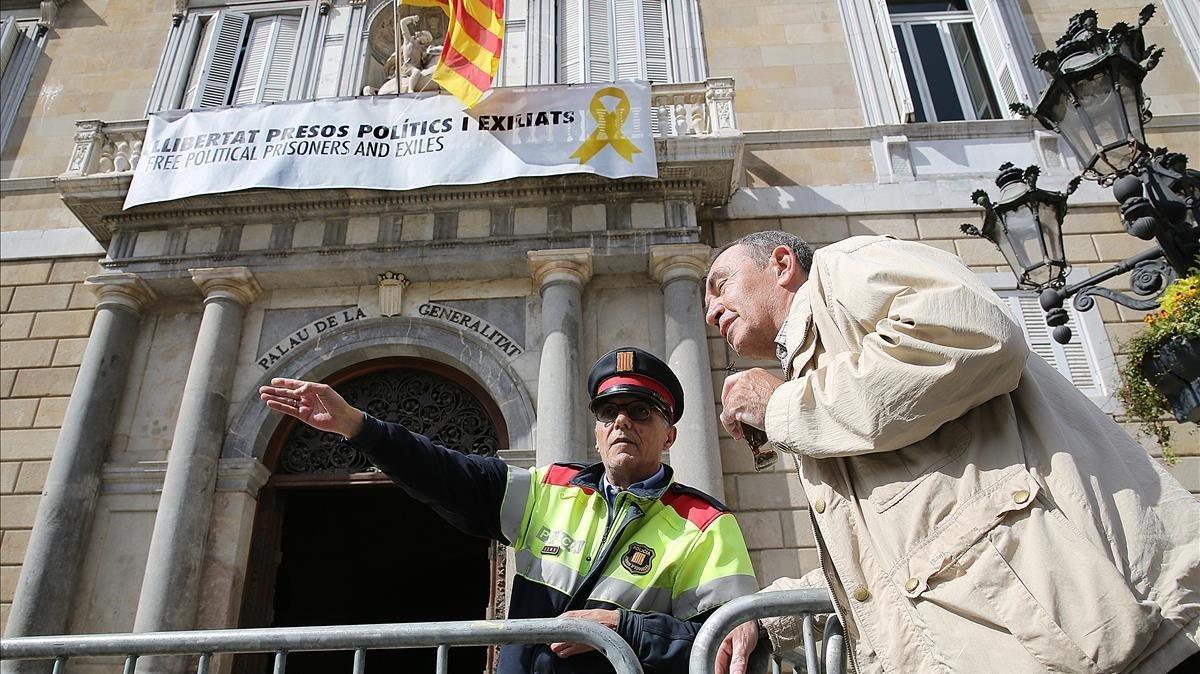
<point>810,654</point>
<point>282,640</point>
<point>202,668</point>
<point>59,663</point>
<point>130,663</point>
<point>360,660</point>
<point>443,659</point>
<point>750,607</point>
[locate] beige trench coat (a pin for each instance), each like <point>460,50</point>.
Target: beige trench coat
<point>979,512</point>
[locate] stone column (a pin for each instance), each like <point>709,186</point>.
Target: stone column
<point>696,454</point>
<point>562,429</point>
<point>42,601</point>
<point>170,588</point>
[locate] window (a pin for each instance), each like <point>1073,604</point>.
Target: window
<point>246,53</point>
<point>1087,361</point>
<point>942,61</point>
<point>21,42</point>
<point>939,60</point>
<point>606,40</point>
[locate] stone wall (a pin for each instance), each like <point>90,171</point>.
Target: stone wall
<point>45,318</point>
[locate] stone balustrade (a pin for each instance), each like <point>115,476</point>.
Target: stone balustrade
<point>691,109</point>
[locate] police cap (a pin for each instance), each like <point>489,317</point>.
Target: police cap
<point>632,371</point>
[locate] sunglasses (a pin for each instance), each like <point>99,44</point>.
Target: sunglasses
<point>638,410</point>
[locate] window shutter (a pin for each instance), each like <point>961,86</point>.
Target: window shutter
<point>1000,53</point>
<point>26,47</point>
<point>654,31</point>
<point>282,58</point>
<point>267,64</point>
<point>627,40</point>
<point>891,56</point>
<point>8,41</point>
<point>571,40</point>
<point>599,41</point>
<point>218,60</point>
<point>1074,360</point>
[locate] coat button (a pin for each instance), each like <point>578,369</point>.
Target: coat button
<point>819,506</point>
<point>912,584</point>
<point>1020,496</point>
<point>860,594</point>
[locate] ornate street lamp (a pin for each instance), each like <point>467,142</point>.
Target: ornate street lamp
<point>1095,102</point>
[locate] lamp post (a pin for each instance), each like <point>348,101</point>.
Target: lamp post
<point>1096,103</point>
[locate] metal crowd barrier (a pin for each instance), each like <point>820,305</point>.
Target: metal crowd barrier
<point>805,603</point>
<point>358,638</point>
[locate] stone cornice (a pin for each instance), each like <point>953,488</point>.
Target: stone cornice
<point>235,283</point>
<point>241,475</point>
<point>122,289</point>
<point>566,265</point>
<point>673,261</point>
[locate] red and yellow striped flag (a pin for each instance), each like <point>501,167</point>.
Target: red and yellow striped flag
<point>471,51</point>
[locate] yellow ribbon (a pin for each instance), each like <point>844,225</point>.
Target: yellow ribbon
<point>608,127</point>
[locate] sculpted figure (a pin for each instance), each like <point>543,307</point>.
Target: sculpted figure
<point>418,59</point>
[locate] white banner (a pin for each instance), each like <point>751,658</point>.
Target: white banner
<point>392,143</point>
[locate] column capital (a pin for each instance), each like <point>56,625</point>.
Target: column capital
<point>124,289</point>
<point>569,265</point>
<point>678,260</point>
<point>235,283</point>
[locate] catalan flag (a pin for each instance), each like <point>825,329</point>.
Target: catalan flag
<point>471,51</point>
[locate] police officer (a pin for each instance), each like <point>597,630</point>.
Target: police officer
<point>617,542</point>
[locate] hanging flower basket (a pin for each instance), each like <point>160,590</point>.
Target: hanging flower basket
<point>1175,371</point>
<point>1162,375</point>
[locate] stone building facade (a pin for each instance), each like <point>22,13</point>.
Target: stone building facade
<point>133,342</point>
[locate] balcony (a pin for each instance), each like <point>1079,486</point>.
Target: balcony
<point>697,142</point>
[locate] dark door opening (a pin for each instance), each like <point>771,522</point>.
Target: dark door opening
<point>374,555</point>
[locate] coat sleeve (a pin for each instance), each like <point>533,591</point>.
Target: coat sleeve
<point>787,632</point>
<point>715,570</point>
<point>935,343</point>
<point>466,490</point>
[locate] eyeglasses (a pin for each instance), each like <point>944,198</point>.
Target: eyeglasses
<point>638,410</point>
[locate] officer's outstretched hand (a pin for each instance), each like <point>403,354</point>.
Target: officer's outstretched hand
<point>734,654</point>
<point>607,617</point>
<point>315,404</point>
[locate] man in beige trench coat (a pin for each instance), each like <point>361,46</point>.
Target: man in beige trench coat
<point>973,511</point>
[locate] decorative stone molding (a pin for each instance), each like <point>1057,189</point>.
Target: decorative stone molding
<point>675,261</point>
<point>567,265</point>
<point>1048,151</point>
<point>49,13</point>
<point>323,6</point>
<point>180,12</point>
<point>391,293</point>
<point>720,97</point>
<point>121,289</point>
<point>246,475</point>
<point>235,283</point>
<point>899,158</point>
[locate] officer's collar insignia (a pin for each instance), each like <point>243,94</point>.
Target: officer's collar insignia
<point>638,559</point>
<point>624,361</point>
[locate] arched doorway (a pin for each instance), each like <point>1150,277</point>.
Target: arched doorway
<point>335,542</point>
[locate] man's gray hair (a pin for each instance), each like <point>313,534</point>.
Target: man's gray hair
<point>760,244</point>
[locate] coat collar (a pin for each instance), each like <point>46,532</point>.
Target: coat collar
<point>589,478</point>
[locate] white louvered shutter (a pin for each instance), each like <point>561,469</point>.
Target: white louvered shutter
<point>218,61</point>
<point>627,39</point>
<point>8,41</point>
<point>654,33</point>
<point>997,41</point>
<point>599,41</point>
<point>895,66</point>
<point>1075,361</point>
<point>570,32</point>
<point>266,73</point>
